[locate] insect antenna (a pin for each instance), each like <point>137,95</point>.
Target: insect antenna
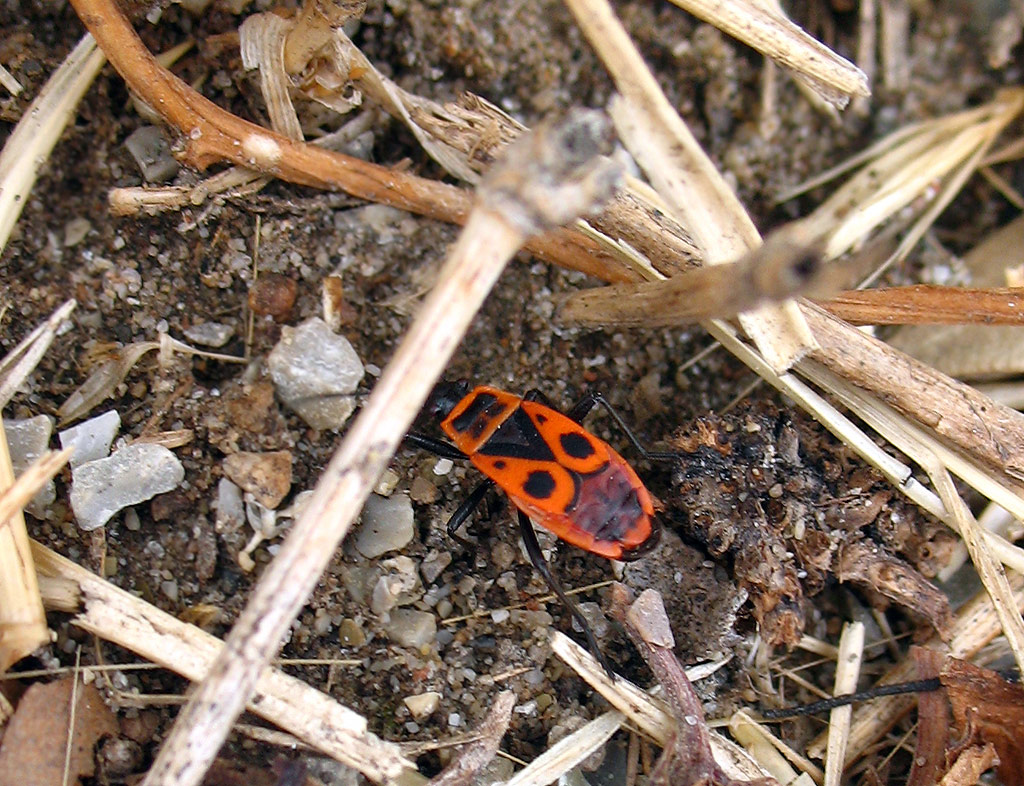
<point>825,705</point>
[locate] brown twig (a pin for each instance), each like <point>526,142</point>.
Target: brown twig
<point>925,304</point>
<point>210,135</point>
<point>958,413</point>
<point>778,269</point>
<point>463,770</point>
<point>687,757</point>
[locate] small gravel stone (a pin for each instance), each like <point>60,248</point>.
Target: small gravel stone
<point>92,438</point>
<point>499,616</point>
<point>595,618</point>
<point>132,475</point>
<point>27,440</point>
<point>267,476</point>
<point>422,491</point>
<point>434,595</point>
<point>422,705</point>
<point>411,628</point>
<point>169,588</point>
<point>386,525</point>
<point>131,520</point>
<point>433,564</point>
<point>119,757</point>
<point>315,371</point>
<point>273,294</point>
<point>503,555</point>
<point>350,634</point>
<point>75,231</point>
<point>396,586</point>
<point>387,484</point>
<point>230,508</point>
<point>210,334</point>
<point>148,146</point>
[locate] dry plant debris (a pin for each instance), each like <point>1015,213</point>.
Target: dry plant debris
<point>987,710</point>
<point>783,505</point>
<point>686,757</point>
<point>641,236</point>
<point>53,736</point>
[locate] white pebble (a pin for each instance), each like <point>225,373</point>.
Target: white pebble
<point>27,440</point>
<point>230,508</point>
<point>132,475</point>
<point>423,705</point>
<point>315,371</point>
<point>386,525</point>
<point>210,334</point>
<point>91,438</point>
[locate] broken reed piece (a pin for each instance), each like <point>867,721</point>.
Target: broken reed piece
<point>764,27</point>
<point>314,29</point>
<point>926,304</point>
<point>547,179</point>
<point>848,662</point>
<point>115,615</point>
<point>40,472</point>
<point>22,621</point>
<point>781,268</point>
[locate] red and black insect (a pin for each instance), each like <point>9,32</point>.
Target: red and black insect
<point>552,469</point>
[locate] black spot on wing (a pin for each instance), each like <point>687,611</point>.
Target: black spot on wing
<point>499,464</point>
<point>576,445</point>
<point>517,438</point>
<point>540,484</point>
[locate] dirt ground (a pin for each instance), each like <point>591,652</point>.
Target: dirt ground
<point>136,277</point>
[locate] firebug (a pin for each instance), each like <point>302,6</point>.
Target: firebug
<point>554,471</point>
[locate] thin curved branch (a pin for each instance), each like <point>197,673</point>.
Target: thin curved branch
<point>210,135</point>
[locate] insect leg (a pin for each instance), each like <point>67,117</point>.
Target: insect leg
<point>587,402</point>
<point>541,564</point>
<point>536,394</point>
<point>465,510</point>
<point>436,446</point>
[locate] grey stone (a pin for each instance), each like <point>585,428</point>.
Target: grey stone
<point>91,438</point>
<point>386,525</point>
<point>101,488</point>
<point>27,440</point>
<point>315,371</point>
